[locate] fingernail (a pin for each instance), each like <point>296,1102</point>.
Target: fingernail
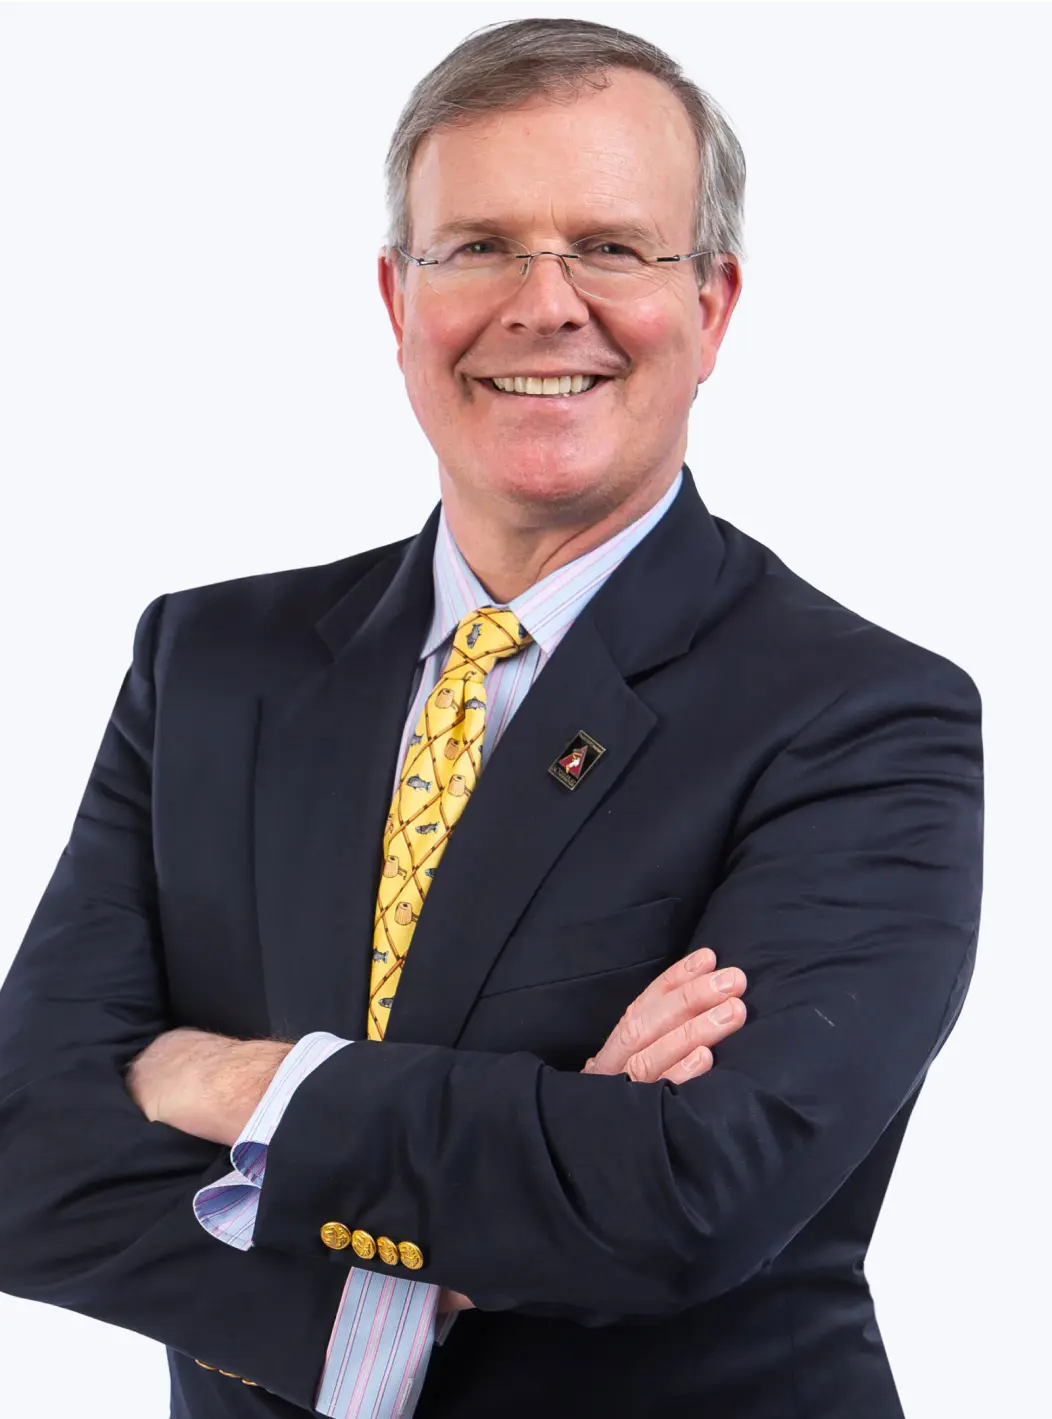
<point>722,1014</point>
<point>698,960</point>
<point>724,981</point>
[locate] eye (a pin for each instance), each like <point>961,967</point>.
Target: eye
<point>612,253</point>
<point>483,246</point>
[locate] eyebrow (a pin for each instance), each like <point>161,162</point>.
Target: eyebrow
<point>462,225</point>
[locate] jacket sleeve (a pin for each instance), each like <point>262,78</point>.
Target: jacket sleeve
<point>96,1203</point>
<point>850,896</point>
<point>227,1208</point>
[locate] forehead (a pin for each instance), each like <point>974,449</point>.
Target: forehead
<point>624,153</point>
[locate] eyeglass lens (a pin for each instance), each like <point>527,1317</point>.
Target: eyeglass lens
<point>490,270</point>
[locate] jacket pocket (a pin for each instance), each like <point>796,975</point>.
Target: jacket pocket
<point>538,953</point>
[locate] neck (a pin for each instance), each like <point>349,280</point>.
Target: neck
<point>510,546</point>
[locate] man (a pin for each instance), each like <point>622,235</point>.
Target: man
<point>608,739</point>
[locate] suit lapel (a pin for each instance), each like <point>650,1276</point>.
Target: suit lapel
<point>326,764</point>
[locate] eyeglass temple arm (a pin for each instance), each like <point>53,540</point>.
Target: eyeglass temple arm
<point>416,260</point>
<point>689,256</point>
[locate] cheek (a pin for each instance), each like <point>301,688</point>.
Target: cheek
<point>664,355</point>
<point>659,333</point>
<point>436,336</point>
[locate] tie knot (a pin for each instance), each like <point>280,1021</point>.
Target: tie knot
<point>488,635</point>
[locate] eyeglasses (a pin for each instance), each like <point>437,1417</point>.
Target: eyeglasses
<point>495,267</point>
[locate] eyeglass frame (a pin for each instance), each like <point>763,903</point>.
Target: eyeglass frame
<point>564,257</point>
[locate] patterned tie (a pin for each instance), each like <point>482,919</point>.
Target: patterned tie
<point>441,768</point>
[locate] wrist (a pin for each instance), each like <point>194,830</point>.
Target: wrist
<point>241,1073</point>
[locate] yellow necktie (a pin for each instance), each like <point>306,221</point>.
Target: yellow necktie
<point>441,768</point>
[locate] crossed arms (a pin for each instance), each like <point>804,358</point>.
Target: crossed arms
<point>851,898</point>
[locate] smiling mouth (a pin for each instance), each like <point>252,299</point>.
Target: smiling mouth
<point>522,388</point>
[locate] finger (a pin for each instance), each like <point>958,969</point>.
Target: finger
<point>650,1017</point>
<point>690,967</point>
<point>696,963</point>
<point>693,1067</point>
<point>693,966</point>
<point>693,1041</point>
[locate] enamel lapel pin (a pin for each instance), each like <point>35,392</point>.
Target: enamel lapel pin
<point>578,758</point>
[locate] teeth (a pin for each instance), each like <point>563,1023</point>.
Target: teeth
<point>562,385</point>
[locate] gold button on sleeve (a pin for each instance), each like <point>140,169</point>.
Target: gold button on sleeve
<point>363,1244</point>
<point>250,1382</point>
<point>411,1255</point>
<point>230,1374</point>
<point>388,1251</point>
<point>203,1365</point>
<point>335,1236</point>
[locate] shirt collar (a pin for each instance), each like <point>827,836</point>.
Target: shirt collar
<point>547,608</point>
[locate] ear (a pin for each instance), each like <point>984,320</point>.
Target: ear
<point>717,299</point>
<point>392,293</point>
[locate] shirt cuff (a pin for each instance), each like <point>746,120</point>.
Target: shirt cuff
<point>379,1348</point>
<point>227,1208</point>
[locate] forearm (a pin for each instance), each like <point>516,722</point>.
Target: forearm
<point>527,1187</point>
<point>599,1218</point>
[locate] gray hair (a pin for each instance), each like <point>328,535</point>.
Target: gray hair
<point>502,66</point>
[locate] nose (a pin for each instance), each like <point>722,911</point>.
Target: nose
<point>546,300</point>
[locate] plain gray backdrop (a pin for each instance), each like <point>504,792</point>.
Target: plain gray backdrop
<point>198,381</point>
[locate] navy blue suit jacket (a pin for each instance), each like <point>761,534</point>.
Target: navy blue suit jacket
<point>783,781</point>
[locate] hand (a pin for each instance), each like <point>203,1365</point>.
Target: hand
<point>203,1084</point>
<point>666,1033</point>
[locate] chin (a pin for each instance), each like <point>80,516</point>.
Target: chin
<point>537,474</point>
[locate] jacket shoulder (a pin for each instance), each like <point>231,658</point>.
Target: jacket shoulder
<point>262,620</point>
<point>796,624</point>
<point>299,592</point>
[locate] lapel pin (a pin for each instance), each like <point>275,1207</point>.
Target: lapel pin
<point>578,758</point>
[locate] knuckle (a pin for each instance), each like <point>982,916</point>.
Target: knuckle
<point>696,1030</point>
<point>698,996</point>
<point>630,1031</point>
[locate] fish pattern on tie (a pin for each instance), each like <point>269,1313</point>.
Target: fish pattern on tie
<point>442,765</point>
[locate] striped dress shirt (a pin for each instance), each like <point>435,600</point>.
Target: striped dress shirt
<point>385,1325</point>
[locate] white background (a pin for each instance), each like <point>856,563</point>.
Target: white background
<point>198,381</point>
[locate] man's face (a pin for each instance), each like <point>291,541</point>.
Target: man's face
<point>550,174</point>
